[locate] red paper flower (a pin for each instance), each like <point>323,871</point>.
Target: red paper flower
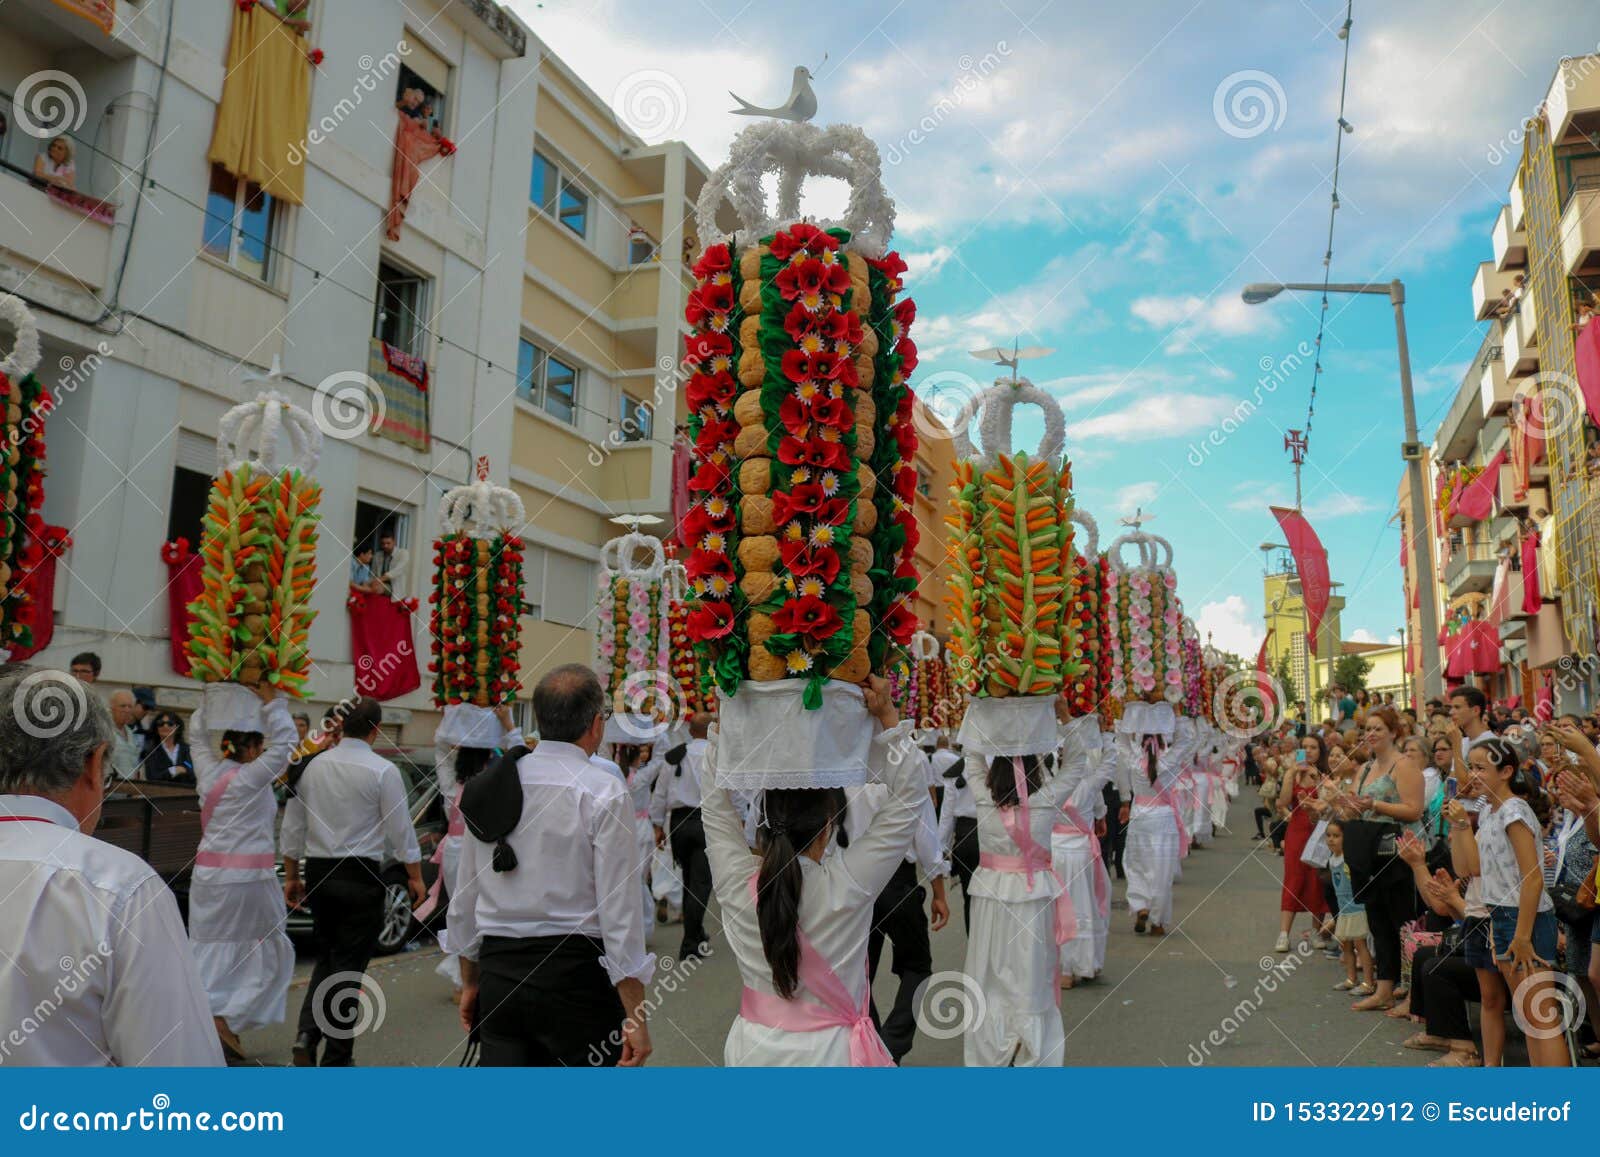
<point>842,325</point>
<point>900,623</point>
<point>809,280</point>
<point>832,412</point>
<point>801,236</point>
<point>175,551</point>
<point>716,259</point>
<point>710,620</point>
<point>446,145</point>
<point>833,512</point>
<point>803,559</point>
<point>315,56</point>
<point>812,452</point>
<point>891,265</point>
<point>907,349</point>
<point>799,366</point>
<point>802,499</point>
<point>712,477</point>
<point>810,617</point>
<point>708,299</point>
<point>700,348</point>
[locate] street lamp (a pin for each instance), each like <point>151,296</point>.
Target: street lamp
<point>1410,453</point>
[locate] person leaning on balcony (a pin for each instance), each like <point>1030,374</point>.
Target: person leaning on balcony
<point>97,960</point>
<point>55,166</point>
<point>362,580</point>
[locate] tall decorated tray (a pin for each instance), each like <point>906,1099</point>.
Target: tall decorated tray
<point>801,533</point>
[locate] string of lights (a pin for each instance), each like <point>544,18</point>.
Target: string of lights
<point>1344,127</point>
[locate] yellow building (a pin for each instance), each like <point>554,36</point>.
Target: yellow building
<point>1309,665</point>
<point>935,462</point>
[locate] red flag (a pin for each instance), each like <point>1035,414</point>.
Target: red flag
<point>1264,680</point>
<point>1476,498</point>
<point>1532,596</point>
<point>1311,561</point>
<point>1588,356</point>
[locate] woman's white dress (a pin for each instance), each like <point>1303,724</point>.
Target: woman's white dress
<point>1012,954</point>
<point>835,902</point>
<point>448,855</point>
<point>1077,861</point>
<point>1154,847</point>
<point>236,908</point>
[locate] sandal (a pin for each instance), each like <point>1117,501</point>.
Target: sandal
<point>1457,1059</point>
<point>1366,1005</point>
<point>1401,1010</point>
<point>1344,986</point>
<point>1141,922</point>
<point>1422,1042</point>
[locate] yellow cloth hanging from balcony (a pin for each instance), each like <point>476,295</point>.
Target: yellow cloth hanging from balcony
<point>261,122</point>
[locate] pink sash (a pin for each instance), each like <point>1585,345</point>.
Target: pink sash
<point>241,860</point>
<point>1076,825</point>
<point>455,826</point>
<point>1165,799</point>
<point>837,1010</point>
<point>1033,858</point>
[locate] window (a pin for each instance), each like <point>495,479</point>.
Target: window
<point>641,247</point>
<point>401,317</point>
<point>554,191</point>
<point>373,518</point>
<point>636,419</point>
<point>186,512</point>
<point>422,85</point>
<point>558,587</point>
<point>924,483</point>
<point>241,225</point>
<point>547,381</point>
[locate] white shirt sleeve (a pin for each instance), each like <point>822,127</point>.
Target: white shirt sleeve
<point>658,795</point>
<point>947,820</point>
<point>616,881</point>
<point>444,767</point>
<point>1080,743</point>
<point>281,739</point>
<point>732,865</point>
<point>205,760</point>
<point>463,916</point>
<point>873,858</point>
<point>925,844</point>
<point>157,1012</point>
<point>292,836</point>
<point>400,838</point>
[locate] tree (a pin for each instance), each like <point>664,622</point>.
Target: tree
<point>1351,671</point>
<point>1284,674</point>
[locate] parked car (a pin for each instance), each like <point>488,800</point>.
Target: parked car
<point>428,817</point>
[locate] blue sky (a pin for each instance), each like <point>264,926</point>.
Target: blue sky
<point>1084,186</point>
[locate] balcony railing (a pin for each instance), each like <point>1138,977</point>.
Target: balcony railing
<point>88,172</point>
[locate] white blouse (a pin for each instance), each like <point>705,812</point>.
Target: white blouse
<point>246,815</point>
<point>835,902</point>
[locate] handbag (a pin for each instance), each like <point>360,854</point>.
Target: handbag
<point>1316,851</point>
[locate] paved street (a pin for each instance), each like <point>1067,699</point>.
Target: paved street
<point>1156,1004</point>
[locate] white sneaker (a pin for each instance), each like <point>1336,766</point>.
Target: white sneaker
<point>1282,944</point>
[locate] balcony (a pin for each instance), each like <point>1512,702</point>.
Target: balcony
<point>63,226</point>
<point>49,24</point>
<point>1469,569</point>
<point>1510,245</point>
<point>1458,431</point>
<point>1514,200</point>
<point>1520,341</point>
<point>1580,228</point>
<point>1488,288</point>
<point>1573,104</point>
<point>1535,501</point>
<point>1495,393</point>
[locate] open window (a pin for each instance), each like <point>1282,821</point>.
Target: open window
<point>376,522</point>
<point>242,225</point>
<point>191,487</point>
<point>401,315</point>
<point>422,86</point>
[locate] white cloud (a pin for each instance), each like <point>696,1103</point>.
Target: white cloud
<point>1189,318</point>
<point>1163,416</point>
<point>1232,626</point>
<point>1339,505</point>
<point>1362,635</point>
<point>1136,494</point>
<point>922,266</point>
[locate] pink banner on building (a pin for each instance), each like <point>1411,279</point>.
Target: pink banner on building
<point>1310,563</point>
<point>1476,499</point>
<point>1587,348</point>
<point>1532,595</point>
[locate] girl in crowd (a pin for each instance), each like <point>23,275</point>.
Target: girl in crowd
<point>798,918</point>
<point>236,911</point>
<point>1075,853</point>
<point>1302,891</point>
<point>1021,911</point>
<point>1388,792</point>
<point>1151,810</point>
<point>1522,923</point>
<point>1350,930</point>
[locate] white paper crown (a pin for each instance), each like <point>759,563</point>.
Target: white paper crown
<point>620,558</point>
<point>480,510</point>
<point>796,150</point>
<point>24,356</point>
<point>248,435</point>
<point>993,408</point>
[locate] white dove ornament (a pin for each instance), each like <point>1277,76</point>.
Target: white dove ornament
<point>801,105</point>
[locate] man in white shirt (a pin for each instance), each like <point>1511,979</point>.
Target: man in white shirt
<point>348,811</point>
<point>97,968</point>
<point>547,915</point>
<point>898,915</point>
<point>391,564</point>
<point>126,749</point>
<point>675,809</point>
<point>1468,727</point>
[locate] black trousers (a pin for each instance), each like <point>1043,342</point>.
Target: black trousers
<point>1116,831</point>
<point>546,1001</point>
<point>1390,897</point>
<point>1262,815</point>
<point>899,917</point>
<point>688,836</point>
<point>1441,987</point>
<point>346,898</point>
<point>964,861</point>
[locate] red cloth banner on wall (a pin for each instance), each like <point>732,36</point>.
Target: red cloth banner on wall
<point>37,585</point>
<point>183,587</point>
<point>1476,499</point>
<point>1310,562</point>
<point>1532,595</point>
<point>381,646</point>
<point>1587,348</point>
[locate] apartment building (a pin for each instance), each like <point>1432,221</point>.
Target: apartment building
<point>168,285</point>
